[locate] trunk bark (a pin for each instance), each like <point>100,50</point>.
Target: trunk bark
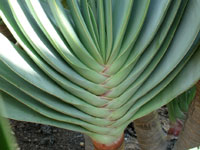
<point>190,135</point>
<point>149,132</point>
<point>93,145</point>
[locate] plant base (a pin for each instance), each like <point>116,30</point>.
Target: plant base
<point>117,145</point>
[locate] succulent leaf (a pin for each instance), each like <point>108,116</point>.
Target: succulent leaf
<point>97,65</point>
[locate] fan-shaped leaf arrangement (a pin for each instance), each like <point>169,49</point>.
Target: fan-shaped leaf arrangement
<point>99,65</point>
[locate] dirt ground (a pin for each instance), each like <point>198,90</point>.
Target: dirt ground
<point>32,136</point>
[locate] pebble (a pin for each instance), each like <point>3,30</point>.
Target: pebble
<point>12,133</point>
<point>82,143</point>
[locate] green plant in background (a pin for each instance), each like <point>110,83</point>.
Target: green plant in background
<point>178,107</point>
<point>7,141</point>
<point>92,68</point>
<point>177,110</point>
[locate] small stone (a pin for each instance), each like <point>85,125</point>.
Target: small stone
<point>12,133</point>
<point>47,130</point>
<point>35,140</point>
<point>82,143</point>
<point>25,139</point>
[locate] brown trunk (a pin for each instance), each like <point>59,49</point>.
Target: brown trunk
<point>190,135</point>
<point>149,132</point>
<point>4,30</point>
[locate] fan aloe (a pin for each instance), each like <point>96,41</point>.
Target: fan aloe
<point>99,65</point>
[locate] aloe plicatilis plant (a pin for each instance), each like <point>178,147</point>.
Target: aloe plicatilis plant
<point>99,65</point>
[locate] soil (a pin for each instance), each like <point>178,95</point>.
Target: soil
<point>32,136</point>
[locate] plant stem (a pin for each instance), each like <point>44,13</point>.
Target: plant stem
<point>190,135</point>
<point>149,132</point>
